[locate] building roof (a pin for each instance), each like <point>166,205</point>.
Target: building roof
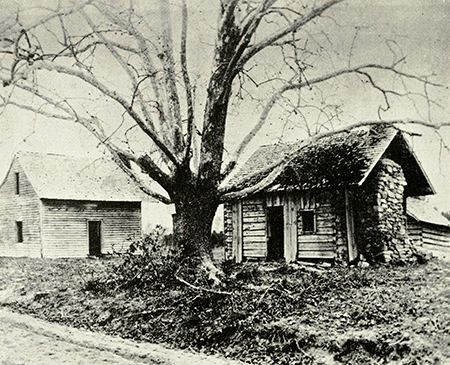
<point>73,178</point>
<point>423,211</point>
<point>343,159</point>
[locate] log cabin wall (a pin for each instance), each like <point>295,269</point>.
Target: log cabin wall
<point>254,236</point>
<point>22,207</point>
<point>326,239</point>
<point>414,230</point>
<point>431,237</point>
<point>436,239</point>
<point>245,229</point>
<point>65,226</point>
<point>321,242</point>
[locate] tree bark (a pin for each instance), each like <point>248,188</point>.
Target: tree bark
<point>195,207</point>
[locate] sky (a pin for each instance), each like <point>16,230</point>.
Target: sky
<point>417,30</point>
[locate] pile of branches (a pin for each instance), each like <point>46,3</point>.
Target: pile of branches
<point>263,315</point>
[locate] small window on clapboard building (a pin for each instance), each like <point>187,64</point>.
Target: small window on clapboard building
<point>19,229</point>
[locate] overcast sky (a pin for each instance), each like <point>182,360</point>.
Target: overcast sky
<point>420,29</point>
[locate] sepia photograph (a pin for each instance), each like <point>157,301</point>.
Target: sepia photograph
<point>225,182</point>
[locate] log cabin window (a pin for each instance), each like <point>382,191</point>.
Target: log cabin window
<point>17,183</point>
<point>19,229</point>
<point>308,218</point>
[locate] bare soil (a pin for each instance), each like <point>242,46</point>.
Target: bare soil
<point>28,340</point>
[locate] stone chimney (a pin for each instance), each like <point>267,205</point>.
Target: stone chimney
<point>381,216</point>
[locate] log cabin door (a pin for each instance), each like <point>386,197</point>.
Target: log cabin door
<point>95,237</point>
<point>275,233</point>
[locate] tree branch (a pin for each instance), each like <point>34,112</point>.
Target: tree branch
<point>126,68</point>
<point>59,13</point>
<point>122,159</point>
<point>309,83</point>
<point>89,79</point>
<point>143,51</point>
<point>296,24</point>
<point>95,128</point>
<point>39,111</point>
<point>187,85</point>
<point>167,60</point>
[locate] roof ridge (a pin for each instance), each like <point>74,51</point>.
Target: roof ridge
<point>297,141</point>
<point>54,154</point>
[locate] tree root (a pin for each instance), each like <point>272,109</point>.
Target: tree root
<point>214,273</point>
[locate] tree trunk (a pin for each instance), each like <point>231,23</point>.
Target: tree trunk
<point>192,224</point>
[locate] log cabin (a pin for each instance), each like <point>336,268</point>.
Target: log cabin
<point>340,198</point>
<point>428,228</point>
<point>59,206</point>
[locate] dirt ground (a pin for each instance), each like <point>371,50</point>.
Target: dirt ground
<point>27,340</point>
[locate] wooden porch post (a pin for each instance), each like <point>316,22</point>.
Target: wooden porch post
<point>351,243</point>
<point>237,231</point>
<point>290,229</point>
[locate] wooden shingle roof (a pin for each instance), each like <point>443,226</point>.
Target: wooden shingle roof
<point>424,211</point>
<point>72,178</point>
<point>343,159</point>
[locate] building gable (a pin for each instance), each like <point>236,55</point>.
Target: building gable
<point>17,181</point>
<point>401,152</point>
<point>20,224</point>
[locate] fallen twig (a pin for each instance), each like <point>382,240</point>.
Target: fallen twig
<point>304,352</point>
<point>200,288</point>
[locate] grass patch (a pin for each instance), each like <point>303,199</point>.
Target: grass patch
<point>276,313</point>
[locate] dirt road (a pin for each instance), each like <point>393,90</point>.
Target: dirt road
<point>27,340</point>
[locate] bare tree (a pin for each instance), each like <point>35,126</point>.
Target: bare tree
<point>136,80</point>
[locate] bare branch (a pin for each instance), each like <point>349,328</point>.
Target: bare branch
<point>296,24</point>
<point>268,107</point>
<point>122,158</point>
<point>113,95</point>
<point>126,67</point>
<point>246,33</point>
<point>144,52</point>
<point>187,84</point>
<point>57,14</point>
<point>39,111</point>
<point>166,58</point>
<point>93,126</point>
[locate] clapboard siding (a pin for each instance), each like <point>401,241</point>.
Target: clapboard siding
<point>65,226</point>
<point>321,244</point>
<point>22,207</point>
<point>254,228</point>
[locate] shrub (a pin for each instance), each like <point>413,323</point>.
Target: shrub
<point>150,263</point>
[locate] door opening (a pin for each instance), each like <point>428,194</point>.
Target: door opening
<point>275,233</point>
<point>95,238</point>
